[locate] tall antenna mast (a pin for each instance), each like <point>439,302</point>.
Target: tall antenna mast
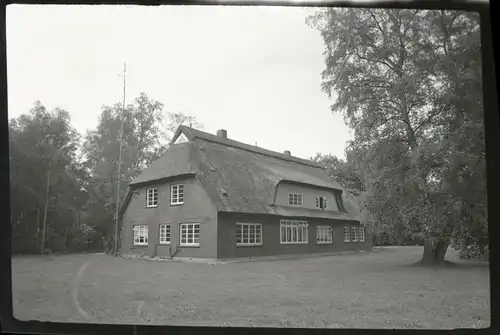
<point>120,160</point>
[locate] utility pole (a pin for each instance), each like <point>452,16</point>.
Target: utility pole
<point>120,161</point>
<point>44,227</point>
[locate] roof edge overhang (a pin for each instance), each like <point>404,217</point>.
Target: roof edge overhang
<point>291,181</point>
<point>162,180</point>
<point>289,216</point>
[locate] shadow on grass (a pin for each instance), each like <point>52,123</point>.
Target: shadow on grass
<point>462,264</point>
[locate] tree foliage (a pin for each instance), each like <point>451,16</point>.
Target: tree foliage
<point>36,138</point>
<point>83,171</point>
<point>408,82</point>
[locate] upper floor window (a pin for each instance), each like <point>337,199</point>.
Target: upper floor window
<point>295,199</point>
<point>321,202</point>
<point>152,197</point>
<point>177,194</point>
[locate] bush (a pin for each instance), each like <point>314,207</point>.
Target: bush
<point>473,251</point>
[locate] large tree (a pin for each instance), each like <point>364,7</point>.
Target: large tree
<point>41,143</point>
<point>408,83</point>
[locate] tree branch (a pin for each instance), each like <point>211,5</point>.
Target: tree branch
<point>378,25</point>
<point>375,61</point>
<point>430,117</point>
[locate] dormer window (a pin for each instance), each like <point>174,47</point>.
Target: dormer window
<point>321,202</point>
<point>340,203</point>
<point>152,197</point>
<point>177,194</point>
<point>295,199</point>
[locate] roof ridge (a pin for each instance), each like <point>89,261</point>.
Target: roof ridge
<point>247,147</point>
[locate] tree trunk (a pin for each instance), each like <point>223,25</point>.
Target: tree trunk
<point>434,251</point>
<point>38,220</point>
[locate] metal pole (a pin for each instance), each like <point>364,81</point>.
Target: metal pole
<point>119,163</point>
<point>46,207</point>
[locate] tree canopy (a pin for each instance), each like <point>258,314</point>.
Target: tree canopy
<point>408,82</point>
<point>83,171</point>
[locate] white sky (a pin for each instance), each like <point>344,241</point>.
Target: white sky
<point>254,71</point>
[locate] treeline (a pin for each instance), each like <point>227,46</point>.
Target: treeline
<point>408,83</point>
<point>63,184</point>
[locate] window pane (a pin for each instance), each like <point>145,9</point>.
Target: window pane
<point>252,234</point>
<point>283,234</point>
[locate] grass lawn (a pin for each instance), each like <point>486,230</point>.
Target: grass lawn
<point>379,289</point>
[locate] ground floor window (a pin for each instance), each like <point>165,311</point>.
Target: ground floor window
<point>347,234</point>
<point>164,234</point>
<point>248,234</point>
<point>140,235</point>
<point>354,235</point>
<point>293,232</point>
<point>190,234</point>
<point>324,235</point>
<point>361,232</point>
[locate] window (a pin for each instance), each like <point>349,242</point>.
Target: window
<point>177,194</point>
<point>354,236</point>
<point>324,235</point>
<point>152,197</point>
<point>248,234</point>
<point>321,202</point>
<point>164,234</point>
<point>361,232</point>
<point>295,199</point>
<point>347,234</point>
<point>190,234</point>
<point>140,235</point>
<point>293,232</point>
<point>340,203</point>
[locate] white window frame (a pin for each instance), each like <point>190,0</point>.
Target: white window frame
<point>295,199</point>
<point>354,234</point>
<point>290,230</point>
<point>324,231</point>
<point>347,234</point>
<point>177,194</point>
<point>165,233</point>
<point>136,235</point>
<point>255,227</point>
<point>362,235</point>
<point>318,203</point>
<point>187,226</point>
<point>151,202</point>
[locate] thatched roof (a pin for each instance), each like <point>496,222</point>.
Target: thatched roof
<point>239,177</point>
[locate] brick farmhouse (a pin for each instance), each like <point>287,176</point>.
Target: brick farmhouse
<point>213,197</point>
